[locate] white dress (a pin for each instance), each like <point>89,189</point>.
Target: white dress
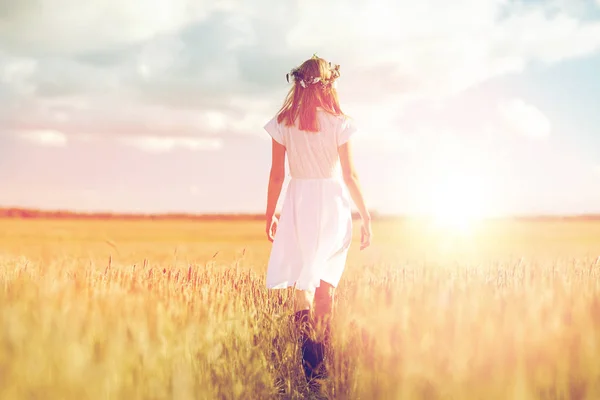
<point>315,227</point>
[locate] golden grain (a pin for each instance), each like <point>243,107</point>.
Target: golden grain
<point>174,309</point>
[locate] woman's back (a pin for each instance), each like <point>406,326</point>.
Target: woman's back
<point>314,155</point>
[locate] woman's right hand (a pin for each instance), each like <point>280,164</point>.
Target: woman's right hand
<point>271,228</point>
<point>365,234</point>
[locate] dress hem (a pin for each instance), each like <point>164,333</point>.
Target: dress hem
<point>286,285</point>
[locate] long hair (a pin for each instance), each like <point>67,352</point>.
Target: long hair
<point>313,87</point>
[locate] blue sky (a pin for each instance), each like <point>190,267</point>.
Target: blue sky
<point>488,105</point>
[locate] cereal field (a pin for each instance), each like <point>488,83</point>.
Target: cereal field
<point>178,310</point>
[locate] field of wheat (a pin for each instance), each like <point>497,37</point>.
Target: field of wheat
<point>179,310</point>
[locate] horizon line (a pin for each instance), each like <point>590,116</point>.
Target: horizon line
<point>30,212</point>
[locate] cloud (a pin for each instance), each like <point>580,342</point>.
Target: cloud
<point>48,138</point>
<point>16,75</point>
<point>186,68</point>
<point>535,36</point>
<point>157,144</point>
<point>524,119</point>
<point>105,117</point>
<point>71,26</point>
<point>439,48</point>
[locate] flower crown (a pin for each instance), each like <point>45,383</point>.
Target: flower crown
<point>304,81</point>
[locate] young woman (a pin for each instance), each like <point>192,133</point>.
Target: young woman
<point>312,237</point>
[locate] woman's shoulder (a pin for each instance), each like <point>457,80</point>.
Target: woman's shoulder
<point>344,121</point>
<point>340,117</point>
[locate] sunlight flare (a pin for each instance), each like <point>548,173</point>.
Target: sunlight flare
<point>457,203</point>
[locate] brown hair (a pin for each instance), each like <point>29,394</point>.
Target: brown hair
<point>313,87</point>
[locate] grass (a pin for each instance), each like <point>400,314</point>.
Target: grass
<point>164,309</point>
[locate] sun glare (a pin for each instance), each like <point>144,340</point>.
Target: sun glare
<point>457,203</point>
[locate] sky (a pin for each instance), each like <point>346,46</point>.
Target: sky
<point>487,106</point>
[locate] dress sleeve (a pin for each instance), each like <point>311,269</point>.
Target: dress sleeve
<point>272,128</point>
<point>347,130</point>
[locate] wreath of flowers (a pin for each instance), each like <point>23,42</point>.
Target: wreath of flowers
<point>310,80</point>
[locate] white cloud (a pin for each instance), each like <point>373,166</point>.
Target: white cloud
<point>535,36</point>
<point>157,144</point>
<point>16,73</point>
<point>435,48</point>
<point>180,69</point>
<point>524,119</point>
<point>103,116</point>
<point>49,138</point>
<point>72,26</point>
<point>160,55</point>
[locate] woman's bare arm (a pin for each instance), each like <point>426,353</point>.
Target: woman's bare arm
<point>351,179</point>
<point>276,178</point>
<point>352,182</point>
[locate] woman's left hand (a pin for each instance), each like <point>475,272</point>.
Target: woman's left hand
<point>272,227</point>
